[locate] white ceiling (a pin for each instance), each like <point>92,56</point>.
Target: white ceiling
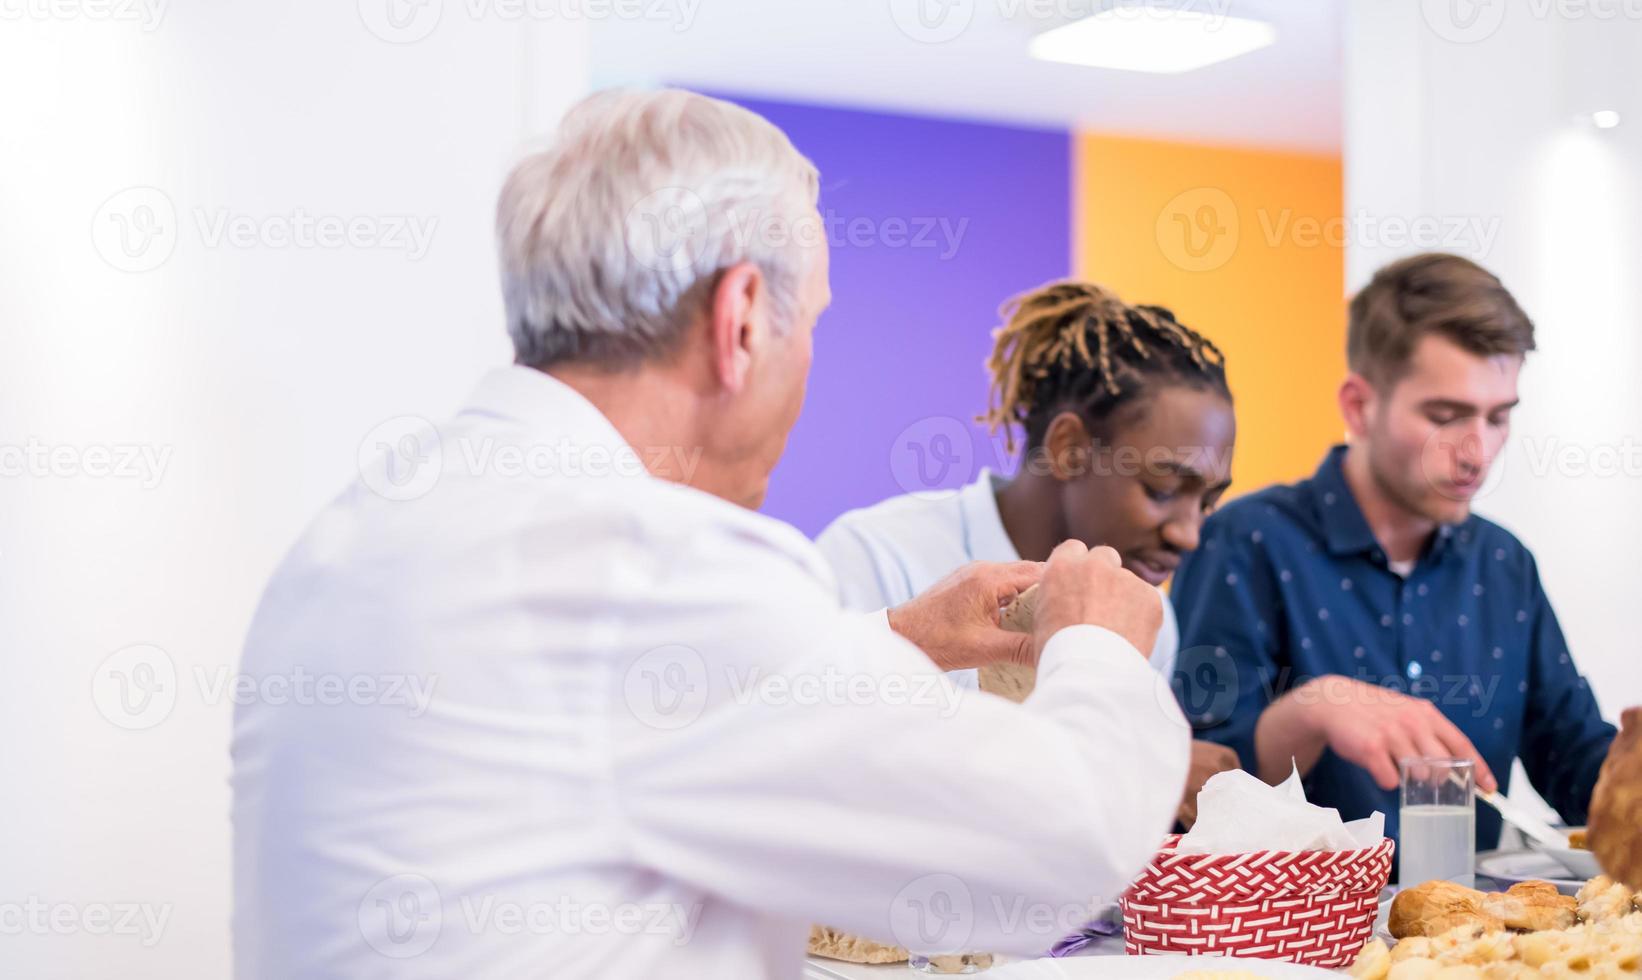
<point>868,53</point>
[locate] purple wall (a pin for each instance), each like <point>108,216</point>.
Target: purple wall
<point>933,224</point>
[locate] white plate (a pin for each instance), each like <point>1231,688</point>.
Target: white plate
<point>1080,968</point>
<point>1147,968</point>
<point>1579,864</point>
<point>1511,867</point>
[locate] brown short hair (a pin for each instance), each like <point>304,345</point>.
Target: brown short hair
<point>1437,294</point>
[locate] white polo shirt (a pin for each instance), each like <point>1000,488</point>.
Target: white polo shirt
<point>885,554</point>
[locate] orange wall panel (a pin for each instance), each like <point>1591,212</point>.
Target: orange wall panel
<point>1246,246</point>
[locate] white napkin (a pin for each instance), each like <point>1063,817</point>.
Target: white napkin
<point>1237,812</point>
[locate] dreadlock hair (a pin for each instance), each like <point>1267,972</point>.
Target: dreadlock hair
<point>1075,345</point>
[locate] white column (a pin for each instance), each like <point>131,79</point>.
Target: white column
<point>174,183</point>
<point>1477,114</point>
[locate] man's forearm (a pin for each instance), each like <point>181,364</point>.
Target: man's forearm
<point>1286,736</point>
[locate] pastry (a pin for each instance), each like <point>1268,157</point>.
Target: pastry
<point>1013,681</point>
<point>836,945</point>
<point>1616,805</point>
<point>1436,907</point>
<point>1531,906</point>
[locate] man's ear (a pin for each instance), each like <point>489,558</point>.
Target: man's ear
<point>730,325</point>
<point>1359,401</point>
<point>1068,446</point>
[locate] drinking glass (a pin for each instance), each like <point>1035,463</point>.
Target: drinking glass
<point>1438,817</point>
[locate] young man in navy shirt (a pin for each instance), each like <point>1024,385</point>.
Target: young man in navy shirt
<point>1365,615</point>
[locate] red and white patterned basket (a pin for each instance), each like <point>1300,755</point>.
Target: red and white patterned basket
<point>1312,907</point>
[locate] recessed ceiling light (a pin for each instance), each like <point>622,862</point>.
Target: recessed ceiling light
<point>1605,118</point>
<point>1152,39</point>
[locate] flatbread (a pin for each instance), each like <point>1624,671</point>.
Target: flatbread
<point>1013,681</point>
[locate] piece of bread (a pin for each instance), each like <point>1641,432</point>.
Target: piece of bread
<point>1013,681</point>
<point>836,945</point>
<point>1436,907</point>
<point>1615,832</point>
<point>1531,906</point>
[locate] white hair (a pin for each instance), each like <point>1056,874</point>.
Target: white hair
<point>612,237</point>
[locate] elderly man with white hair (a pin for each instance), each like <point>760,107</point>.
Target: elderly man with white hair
<point>654,745</point>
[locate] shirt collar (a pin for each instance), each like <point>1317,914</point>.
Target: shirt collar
<point>1344,527</point>
<point>545,404</point>
<point>984,534</point>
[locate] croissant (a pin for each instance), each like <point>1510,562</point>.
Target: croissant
<point>1616,805</point>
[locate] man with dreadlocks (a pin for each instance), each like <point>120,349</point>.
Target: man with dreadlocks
<point>1128,432</point>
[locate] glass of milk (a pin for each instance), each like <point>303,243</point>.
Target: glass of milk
<point>1438,818</point>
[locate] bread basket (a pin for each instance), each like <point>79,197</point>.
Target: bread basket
<point>1311,907</point>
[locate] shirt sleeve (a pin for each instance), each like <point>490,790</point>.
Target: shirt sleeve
<point>864,581</point>
<point>1167,649</point>
<point>838,778</point>
<point>1564,739</point>
<point>1227,670</point>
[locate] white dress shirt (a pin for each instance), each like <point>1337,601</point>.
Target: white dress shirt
<point>885,554</point>
<point>649,742</point>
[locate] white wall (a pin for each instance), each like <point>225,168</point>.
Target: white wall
<point>253,369</point>
<point>1482,129</point>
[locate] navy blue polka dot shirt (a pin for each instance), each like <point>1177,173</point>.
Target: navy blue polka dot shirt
<point>1289,584</point>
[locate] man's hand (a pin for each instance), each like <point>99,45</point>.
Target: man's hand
<point>1208,758</point>
<point>1092,587</point>
<point>955,621</point>
<point>1376,727</point>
